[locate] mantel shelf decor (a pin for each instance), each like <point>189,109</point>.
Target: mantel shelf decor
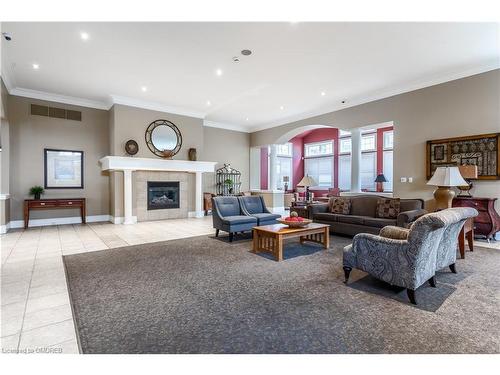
<point>480,150</point>
<point>228,181</point>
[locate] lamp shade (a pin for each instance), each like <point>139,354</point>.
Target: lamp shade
<point>381,178</point>
<point>307,181</point>
<point>468,171</point>
<point>447,176</point>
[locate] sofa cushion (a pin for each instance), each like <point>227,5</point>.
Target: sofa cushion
<point>388,208</point>
<point>266,216</point>
<point>253,204</point>
<point>326,216</point>
<point>351,219</point>
<point>378,222</point>
<point>340,205</point>
<point>239,219</point>
<point>363,205</point>
<point>227,206</point>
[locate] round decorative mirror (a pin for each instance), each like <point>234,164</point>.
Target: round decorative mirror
<point>163,138</point>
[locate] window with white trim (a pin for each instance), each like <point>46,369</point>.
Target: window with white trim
<point>388,157</point>
<point>321,170</point>
<point>368,170</point>
<point>369,142</point>
<point>388,140</point>
<point>284,165</point>
<point>345,145</point>
<point>345,172</point>
<point>318,149</point>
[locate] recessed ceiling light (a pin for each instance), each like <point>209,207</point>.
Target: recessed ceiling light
<point>218,72</point>
<point>247,119</point>
<point>323,93</point>
<point>144,89</point>
<point>246,52</point>
<point>84,36</point>
<point>209,103</point>
<point>282,108</point>
<point>36,66</point>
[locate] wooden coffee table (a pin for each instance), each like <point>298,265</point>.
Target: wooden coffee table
<point>269,238</point>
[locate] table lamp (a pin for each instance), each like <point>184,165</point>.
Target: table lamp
<point>380,180</point>
<point>468,172</point>
<point>286,179</point>
<point>444,178</point>
<point>306,182</point>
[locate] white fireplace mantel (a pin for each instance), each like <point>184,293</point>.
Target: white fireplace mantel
<point>130,164</point>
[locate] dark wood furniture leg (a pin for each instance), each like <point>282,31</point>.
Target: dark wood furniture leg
<point>470,239</point>
<point>461,242</point>
<point>347,272</point>
<point>83,212</point>
<point>432,281</point>
<point>26,215</point>
<point>411,296</point>
<point>453,268</point>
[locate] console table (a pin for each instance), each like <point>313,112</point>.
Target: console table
<point>49,204</point>
<point>487,223</point>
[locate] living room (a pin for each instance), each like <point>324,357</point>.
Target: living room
<point>250,187</point>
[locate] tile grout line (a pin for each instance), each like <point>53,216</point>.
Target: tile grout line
<point>13,246</point>
<point>29,288</point>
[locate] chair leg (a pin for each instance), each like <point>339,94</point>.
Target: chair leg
<point>347,272</point>
<point>432,281</point>
<point>411,296</point>
<point>452,268</point>
<point>231,236</point>
<point>216,233</point>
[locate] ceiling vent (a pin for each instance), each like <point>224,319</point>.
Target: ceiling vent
<point>68,114</point>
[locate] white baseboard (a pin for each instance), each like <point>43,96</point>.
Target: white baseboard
<point>4,228</point>
<point>59,221</point>
<point>121,219</point>
<point>196,214</point>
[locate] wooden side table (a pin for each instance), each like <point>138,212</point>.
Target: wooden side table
<point>50,204</point>
<point>467,232</point>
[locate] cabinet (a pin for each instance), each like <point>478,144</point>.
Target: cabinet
<point>487,223</point>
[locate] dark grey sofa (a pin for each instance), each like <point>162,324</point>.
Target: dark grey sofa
<point>362,215</point>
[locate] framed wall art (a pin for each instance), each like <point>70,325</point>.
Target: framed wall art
<point>481,150</point>
<point>63,169</point>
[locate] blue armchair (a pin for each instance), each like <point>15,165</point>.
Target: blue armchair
<point>409,257</point>
<point>254,206</point>
<point>227,216</point>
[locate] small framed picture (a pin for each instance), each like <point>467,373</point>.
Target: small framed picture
<point>63,169</point>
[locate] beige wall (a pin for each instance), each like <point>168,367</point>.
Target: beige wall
<point>4,156</point>
<point>226,146</point>
<point>212,144</point>
<point>29,135</point>
<point>462,107</point>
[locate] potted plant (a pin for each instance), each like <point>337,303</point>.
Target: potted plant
<point>229,184</point>
<point>37,191</point>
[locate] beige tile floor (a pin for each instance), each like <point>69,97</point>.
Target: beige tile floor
<point>35,310</point>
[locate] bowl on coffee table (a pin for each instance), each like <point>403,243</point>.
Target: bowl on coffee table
<point>295,222</point>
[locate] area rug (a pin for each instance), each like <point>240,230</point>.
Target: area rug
<point>203,295</point>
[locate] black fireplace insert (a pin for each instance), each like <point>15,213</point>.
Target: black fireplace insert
<point>163,195</point>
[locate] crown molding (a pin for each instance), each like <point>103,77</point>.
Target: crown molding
<point>154,106</point>
<point>381,94</point>
<point>43,95</point>
<point>222,125</point>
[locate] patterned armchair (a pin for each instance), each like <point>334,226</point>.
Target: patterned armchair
<point>408,257</point>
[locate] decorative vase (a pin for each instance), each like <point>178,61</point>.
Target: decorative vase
<point>37,196</point>
<point>192,154</point>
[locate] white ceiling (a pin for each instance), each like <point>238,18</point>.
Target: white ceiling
<point>291,64</point>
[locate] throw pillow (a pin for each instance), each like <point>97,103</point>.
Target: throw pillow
<point>388,208</point>
<point>340,205</point>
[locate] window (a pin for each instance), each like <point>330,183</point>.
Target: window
<point>283,165</point>
<point>345,145</point>
<point>388,140</point>
<point>284,149</point>
<point>321,170</point>
<point>343,132</point>
<point>318,148</point>
<point>345,172</point>
<point>388,170</point>
<point>283,168</point>
<point>368,170</point>
<point>368,142</point>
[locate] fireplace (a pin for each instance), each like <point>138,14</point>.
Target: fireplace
<point>163,195</point>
